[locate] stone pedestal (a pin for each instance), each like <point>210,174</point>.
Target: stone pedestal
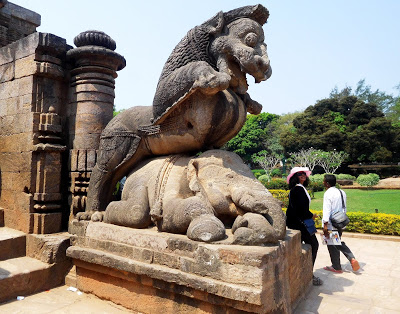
<point>153,272</point>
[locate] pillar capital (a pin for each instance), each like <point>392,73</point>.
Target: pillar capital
<point>95,48</point>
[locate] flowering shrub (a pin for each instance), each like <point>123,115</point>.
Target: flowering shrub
<point>282,195</point>
<point>316,186</point>
<point>369,223</point>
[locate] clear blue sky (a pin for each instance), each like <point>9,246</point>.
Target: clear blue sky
<point>313,45</point>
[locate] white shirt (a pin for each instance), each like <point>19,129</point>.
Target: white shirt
<point>332,203</point>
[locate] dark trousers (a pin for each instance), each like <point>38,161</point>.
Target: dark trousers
<point>334,252</point>
<point>311,240</point>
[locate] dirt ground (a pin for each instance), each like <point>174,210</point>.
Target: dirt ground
<point>388,183</point>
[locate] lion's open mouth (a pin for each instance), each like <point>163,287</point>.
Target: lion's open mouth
<point>238,78</point>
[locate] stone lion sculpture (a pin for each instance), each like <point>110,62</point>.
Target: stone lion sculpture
<point>193,195</point>
<point>200,102</point>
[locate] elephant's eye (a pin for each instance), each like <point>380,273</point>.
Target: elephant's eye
<point>251,39</point>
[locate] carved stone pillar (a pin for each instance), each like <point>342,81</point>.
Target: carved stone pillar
<point>91,99</point>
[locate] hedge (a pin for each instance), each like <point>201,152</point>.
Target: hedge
<point>360,222</point>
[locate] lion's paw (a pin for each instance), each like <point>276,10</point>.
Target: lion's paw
<point>84,215</point>
<point>206,228</point>
<point>210,81</point>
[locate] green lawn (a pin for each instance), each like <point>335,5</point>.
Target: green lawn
<point>386,201</point>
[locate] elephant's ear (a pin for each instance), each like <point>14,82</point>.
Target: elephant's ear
<point>192,175</point>
<point>215,24</point>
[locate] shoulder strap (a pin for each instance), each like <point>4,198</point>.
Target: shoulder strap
<point>341,194</point>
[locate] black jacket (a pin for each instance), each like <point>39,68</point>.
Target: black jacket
<point>298,209</point>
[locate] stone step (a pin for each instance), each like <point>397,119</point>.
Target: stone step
<point>70,279</point>
<point>12,243</point>
<point>22,276</point>
<point>1,217</point>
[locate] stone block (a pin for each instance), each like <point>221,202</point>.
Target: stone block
<point>25,276</point>
<point>13,106</point>
<point>48,248</point>
<point>22,14</point>
<point>16,161</point>
<point>9,89</point>
<point>7,53</point>
<point>7,199</point>
<point>7,72</point>
<point>46,223</point>
<point>21,142</point>
<point>16,200</point>
<point>12,243</point>
<point>30,66</point>
<point>78,228</point>
<point>52,44</point>
<point>18,220</point>
<point>91,158</point>
<point>23,201</point>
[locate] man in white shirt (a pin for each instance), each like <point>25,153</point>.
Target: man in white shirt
<point>335,200</point>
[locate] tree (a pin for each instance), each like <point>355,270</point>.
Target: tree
<point>306,157</point>
<point>364,92</point>
<point>344,123</point>
<point>116,112</point>
<point>249,140</point>
<point>266,161</point>
<point>394,111</point>
<point>331,161</point>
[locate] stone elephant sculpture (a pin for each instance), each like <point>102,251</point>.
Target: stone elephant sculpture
<point>193,195</point>
<point>200,102</point>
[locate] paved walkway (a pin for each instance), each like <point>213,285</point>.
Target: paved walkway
<point>374,289</point>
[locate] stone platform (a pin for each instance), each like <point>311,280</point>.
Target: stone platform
<point>150,271</point>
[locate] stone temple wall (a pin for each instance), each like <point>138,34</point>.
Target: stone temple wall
<point>16,22</point>
<point>32,94</point>
<point>54,102</point>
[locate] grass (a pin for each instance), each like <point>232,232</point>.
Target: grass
<point>386,201</point>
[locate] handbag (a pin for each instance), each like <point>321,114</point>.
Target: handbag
<point>339,219</point>
<point>310,226</point>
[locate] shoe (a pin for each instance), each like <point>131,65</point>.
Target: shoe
<point>316,281</point>
<point>330,268</point>
<point>354,264</point>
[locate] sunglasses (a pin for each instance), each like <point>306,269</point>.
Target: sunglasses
<point>301,174</point>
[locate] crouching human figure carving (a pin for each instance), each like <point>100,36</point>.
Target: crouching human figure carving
<point>200,102</point>
<point>193,195</point>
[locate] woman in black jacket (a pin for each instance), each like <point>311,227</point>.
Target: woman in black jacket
<point>299,210</point>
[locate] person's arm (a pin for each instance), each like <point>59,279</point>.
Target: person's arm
<point>326,213</point>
